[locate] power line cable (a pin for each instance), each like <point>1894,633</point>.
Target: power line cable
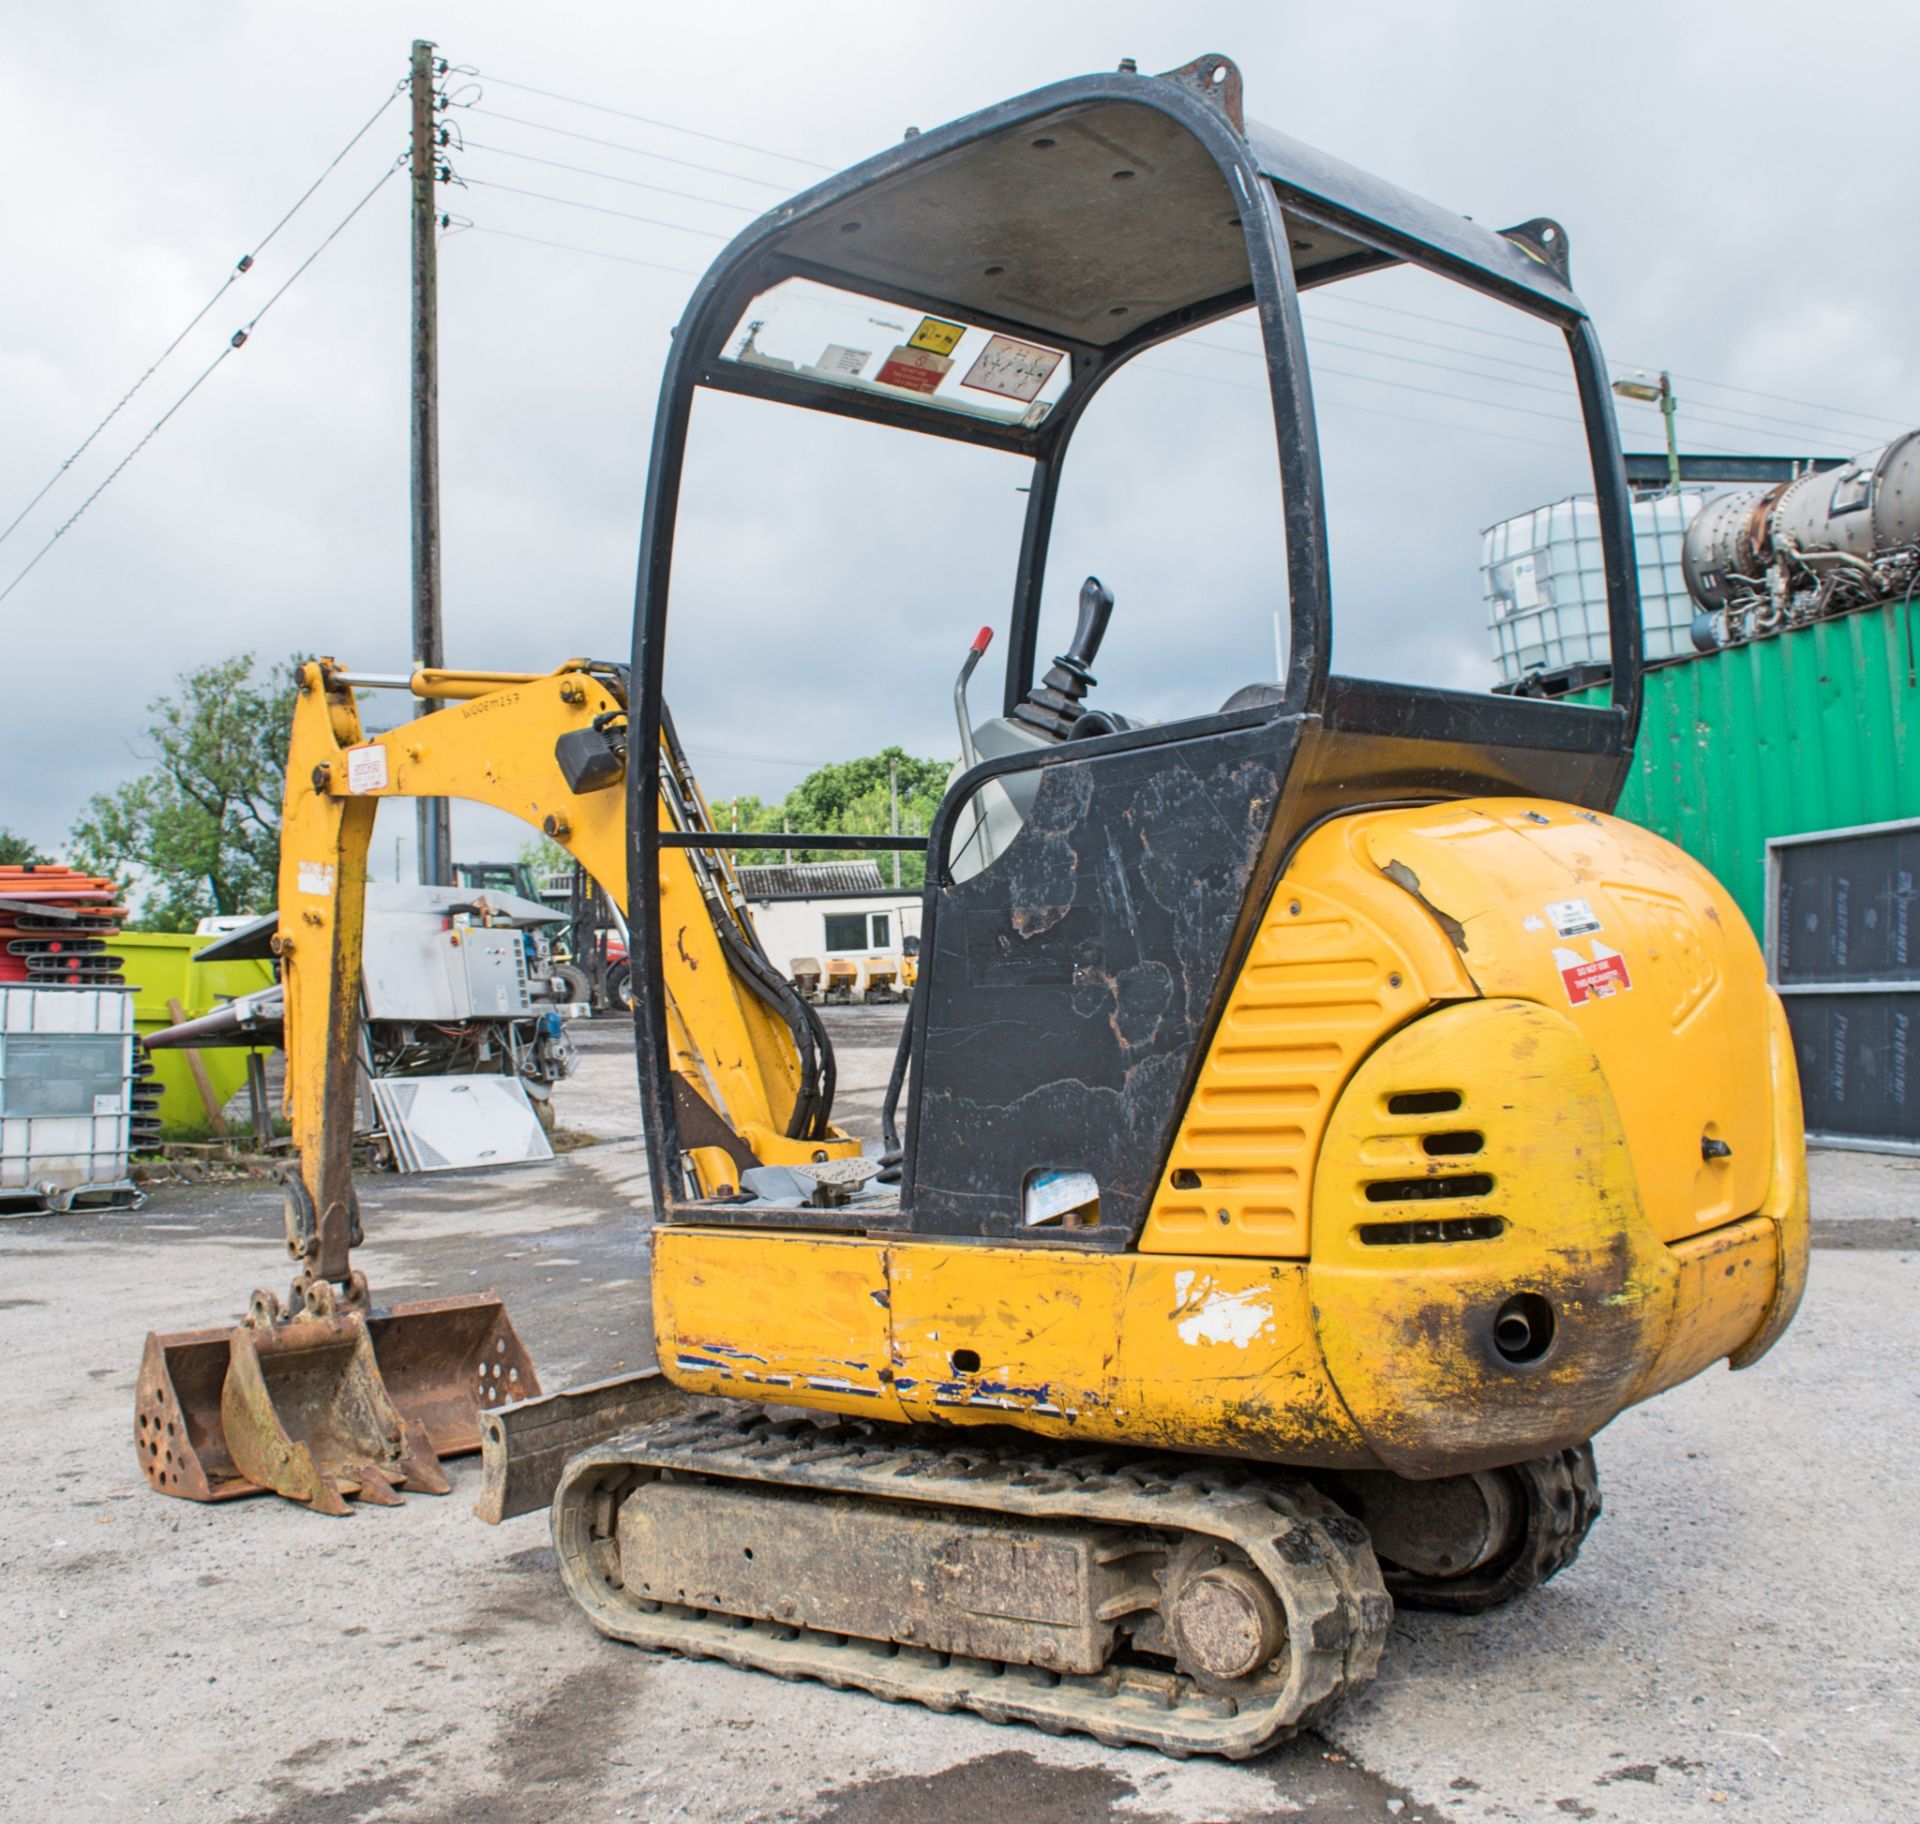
<point>1562,371</point>
<point>1313,317</point>
<point>241,268</point>
<point>1442,424</point>
<point>1695,415</point>
<point>739,145</point>
<point>1839,411</point>
<point>619,145</point>
<point>1833,435</point>
<point>1495,405</point>
<point>625,259</point>
<point>1644,366</point>
<point>1363,303</point>
<point>474,145</point>
<point>626,215</point>
<point>1686,407</point>
<point>236,341</point>
<point>1211,379</point>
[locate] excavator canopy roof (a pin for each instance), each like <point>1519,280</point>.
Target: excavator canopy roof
<point>1075,225</point>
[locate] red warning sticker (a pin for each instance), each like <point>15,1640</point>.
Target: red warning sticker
<point>1595,979</point>
<point>919,370</point>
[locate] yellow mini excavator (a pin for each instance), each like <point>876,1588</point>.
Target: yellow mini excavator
<point>1315,1120</point>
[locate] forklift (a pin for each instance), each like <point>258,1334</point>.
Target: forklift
<point>1315,1119</point>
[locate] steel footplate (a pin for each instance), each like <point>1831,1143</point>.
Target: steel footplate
<point>1223,1540</point>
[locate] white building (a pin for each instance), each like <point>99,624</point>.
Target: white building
<point>829,909</point>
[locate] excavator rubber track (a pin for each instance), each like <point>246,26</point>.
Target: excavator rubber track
<point>1185,1556</point>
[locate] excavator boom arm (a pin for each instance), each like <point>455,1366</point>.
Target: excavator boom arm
<point>493,743</point>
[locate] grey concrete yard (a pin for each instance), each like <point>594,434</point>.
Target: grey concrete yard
<point>1738,1640</point>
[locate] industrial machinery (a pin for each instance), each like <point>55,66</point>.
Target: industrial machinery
<point>1759,560</point>
<point>1316,1119</point>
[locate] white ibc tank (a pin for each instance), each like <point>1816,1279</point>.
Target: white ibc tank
<point>1547,589</point>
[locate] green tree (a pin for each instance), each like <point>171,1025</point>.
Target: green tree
<point>18,852</point>
<point>542,856</point>
<point>199,831</point>
<point>847,797</point>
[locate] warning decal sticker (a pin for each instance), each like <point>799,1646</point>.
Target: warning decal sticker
<point>316,877</point>
<point>915,369</point>
<point>1596,980</point>
<point>1014,370</point>
<point>937,336</point>
<point>367,769</point>
<point>1571,917</point>
<point>840,359</point>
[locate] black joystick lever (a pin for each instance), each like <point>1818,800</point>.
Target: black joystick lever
<point>1053,706</point>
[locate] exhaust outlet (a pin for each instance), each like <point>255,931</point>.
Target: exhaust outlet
<point>1523,1329</point>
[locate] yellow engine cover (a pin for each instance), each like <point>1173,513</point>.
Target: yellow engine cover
<point>1481,1052</point>
<point>1385,914</point>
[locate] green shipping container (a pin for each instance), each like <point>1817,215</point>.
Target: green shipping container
<point>160,965</point>
<point>1809,730</point>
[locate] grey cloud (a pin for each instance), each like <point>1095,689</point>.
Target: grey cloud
<point>1737,202</point>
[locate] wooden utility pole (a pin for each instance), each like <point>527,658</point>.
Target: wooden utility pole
<point>429,648</point>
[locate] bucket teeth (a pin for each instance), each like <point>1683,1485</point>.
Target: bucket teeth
<point>307,1415</point>
<point>375,1487</point>
<point>328,1405</point>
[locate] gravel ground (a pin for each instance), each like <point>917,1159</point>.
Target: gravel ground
<point>1736,1641</point>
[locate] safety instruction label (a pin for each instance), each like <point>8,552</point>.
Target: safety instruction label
<point>316,877</point>
<point>367,769</point>
<point>917,370</point>
<point>840,359</point>
<point>1013,369</point>
<point>1598,978</point>
<point>1571,917</point>
<point>937,336</point>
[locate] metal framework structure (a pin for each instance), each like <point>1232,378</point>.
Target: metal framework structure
<point>1294,219</point>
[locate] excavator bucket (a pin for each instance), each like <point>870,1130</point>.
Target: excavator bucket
<point>326,1405</point>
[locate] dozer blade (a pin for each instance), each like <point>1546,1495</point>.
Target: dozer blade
<point>322,1407</point>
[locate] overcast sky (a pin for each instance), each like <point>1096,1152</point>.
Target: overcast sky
<point>1738,192</point>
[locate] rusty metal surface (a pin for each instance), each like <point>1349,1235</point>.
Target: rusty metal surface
<point>334,1401</point>
<point>525,1446</point>
<point>177,1432</point>
<point>305,1414</point>
<point>445,1361</point>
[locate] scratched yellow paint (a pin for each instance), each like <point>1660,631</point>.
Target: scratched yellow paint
<point>800,1320</point>
<point>1373,1352</point>
<point>1184,1353</point>
<point>1342,957</point>
<point>1407,1329</point>
<point>1384,914</point>
<point>1684,1048</point>
<point>1786,1205</point>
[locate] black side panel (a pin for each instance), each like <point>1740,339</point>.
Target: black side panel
<point>1068,987</point>
<point>1382,742</point>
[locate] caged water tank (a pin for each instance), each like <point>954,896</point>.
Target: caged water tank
<point>1547,589</point>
